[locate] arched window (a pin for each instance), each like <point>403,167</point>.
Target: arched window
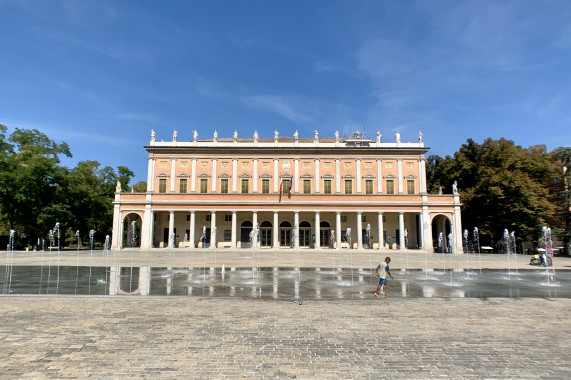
<point>247,223</point>
<point>266,223</point>
<point>305,224</point>
<point>285,224</point>
<point>324,224</point>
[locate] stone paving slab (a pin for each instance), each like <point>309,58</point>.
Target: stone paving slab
<point>163,338</point>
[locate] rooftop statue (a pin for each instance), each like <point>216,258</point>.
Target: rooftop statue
<point>397,137</point>
<point>215,135</point>
<point>152,135</point>
<point>194,135</point>
<point>276,134</point>
<point>419,136</point>
<point>255,135</point>
<point>235,135</point>
<point>378,136</point>
<point>174,136</point>
<point>295,135</point>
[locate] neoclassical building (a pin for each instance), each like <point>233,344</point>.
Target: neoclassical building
<point>286,192</point>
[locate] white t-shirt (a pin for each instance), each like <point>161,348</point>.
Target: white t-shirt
<point>383,270</point>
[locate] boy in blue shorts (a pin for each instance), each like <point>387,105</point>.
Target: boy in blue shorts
<point>381,273</point>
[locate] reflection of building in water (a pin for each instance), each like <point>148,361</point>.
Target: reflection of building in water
<point>298,191</point>
<point>129,281</point>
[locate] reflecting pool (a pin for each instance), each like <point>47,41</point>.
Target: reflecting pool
<point>280,283</point>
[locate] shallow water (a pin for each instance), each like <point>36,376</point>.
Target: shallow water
<point>281,283</point>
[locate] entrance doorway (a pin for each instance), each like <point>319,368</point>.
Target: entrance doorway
<point>304,234</point>
<point>285,234</point>
<point>266,234</point>
<point>245,230</point>
<point>324,234</point>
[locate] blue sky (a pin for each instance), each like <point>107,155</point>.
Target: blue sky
<point>100,75</point>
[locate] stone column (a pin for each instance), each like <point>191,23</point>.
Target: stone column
<point>193,177</point>
<point>401,230</point>
<point>213,230</point>
<point>117,235</point>
<point>381,232</point>
<point>359,179</point>
<point>214,180</point>
<point>255,177</point>
<point>338,229</point>
<point>317,243</point>
<point>400,177</point>
<point>192,228</point>
<point>379,176</point>
<point>337,176</point>
<point>276,231</point>
<point>171,241</point>
<point>276,176</point>
<point>359,231</point>
<point>146,228</point>
<point>173,174</point>
<point>296,176</point>
<point>234,174</point>
<point>151,175</point>
<point>234,223</point>
<point>317,180</point>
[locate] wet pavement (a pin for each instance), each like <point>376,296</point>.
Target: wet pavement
<point>169,336</point>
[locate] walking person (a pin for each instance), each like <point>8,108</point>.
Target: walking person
<point>381,272</point>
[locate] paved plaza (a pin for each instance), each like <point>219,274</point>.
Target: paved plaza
<point>194,337</point>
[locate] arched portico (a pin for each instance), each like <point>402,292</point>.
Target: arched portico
<point>441,230</point>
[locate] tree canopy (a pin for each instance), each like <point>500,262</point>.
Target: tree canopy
<point>501,185</point>
<point>36,191</point>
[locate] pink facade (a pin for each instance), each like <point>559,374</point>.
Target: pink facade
<point>345,193</point>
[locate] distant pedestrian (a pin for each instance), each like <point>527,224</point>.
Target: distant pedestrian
<point>381,273</point>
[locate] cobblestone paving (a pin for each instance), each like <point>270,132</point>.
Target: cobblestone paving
<point>159,338</point>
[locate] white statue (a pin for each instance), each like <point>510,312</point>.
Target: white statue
<point>440,190</point>
<point>397,137</point>
<point>378,136</point>
<point>152,135</point>
<point>174,136</point>
<point>194,135</point>
<point>255,136</point>
<point>316,135</point>
<point>215,135</point>
<point>235,135</point>
<point>419,136</point>
<point>455,188</point>
<point>295,135</point>
<point>276,134</point>
<point>118,187</point>
<point>336,135</point>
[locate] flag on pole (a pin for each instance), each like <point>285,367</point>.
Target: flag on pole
<point>281,184</point>
<point>289,190</point>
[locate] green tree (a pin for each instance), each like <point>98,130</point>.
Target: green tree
<point>501,185</point>
<point>29,180</point>
<point>563,158</point>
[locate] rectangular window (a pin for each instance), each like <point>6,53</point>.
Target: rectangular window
<point>348,186</point>
<point>162,185</point>
<point>204,185</point>
<point>410,186</point>
<point>224,185</point>
<point>368,186</point>
<point>183,185</point>
<point>228,217</point>
<point>188,218</point>
<point>326,186</point>
<point>227,235</point>
<point>306,186</point>
<point>286,185</point>
<point>208,217</point>
<point>343,218</point>
<point>265,186</point>
<point>245,185</point>
<point>390,186</point>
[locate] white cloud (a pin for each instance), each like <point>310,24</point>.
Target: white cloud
<point>277,104</point>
